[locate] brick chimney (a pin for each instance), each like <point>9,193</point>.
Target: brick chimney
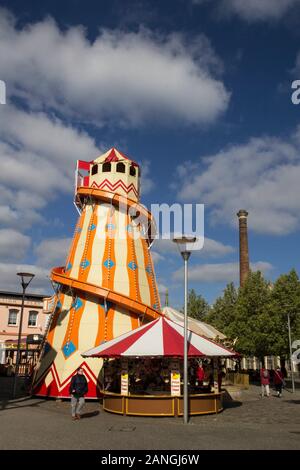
<point>244,252</point>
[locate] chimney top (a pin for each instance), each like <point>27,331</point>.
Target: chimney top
<point>242,213</point>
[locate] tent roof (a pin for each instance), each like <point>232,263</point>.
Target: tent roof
<point>114,155</point>
<point>194,325</point>
<point>161,337</point>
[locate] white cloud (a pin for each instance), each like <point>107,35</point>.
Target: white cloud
<point>11,282</point>
<point>52,252</point>
<point>162,289</point>
<point>156,257</point>
<point>120,77</point>
<point>261,176</point>
<point>215,249</point>
<point>38,156</point>
<point>257,10</point>
<point>211,249</point>
<point>147,183</point>
<point>13,244</point>
<point>222,272</point>
<point>46,136</point>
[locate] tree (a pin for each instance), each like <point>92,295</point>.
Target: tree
<point>251,323</point>
<point>222,314</point>
<point>197,307</point>
<point>285,298</point>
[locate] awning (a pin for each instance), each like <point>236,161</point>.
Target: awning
<point>161,337</point>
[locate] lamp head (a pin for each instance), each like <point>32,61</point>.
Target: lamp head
<point>26,279</point>
<point>185,245</point>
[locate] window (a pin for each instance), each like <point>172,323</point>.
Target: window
<point>132,171</point>
<point>32,318</point>
<point>13,316</point>
<point>120,167</point>
<point>106,167</point>
<point>94,169</point>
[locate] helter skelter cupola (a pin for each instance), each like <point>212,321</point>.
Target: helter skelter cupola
<point>108,285</point>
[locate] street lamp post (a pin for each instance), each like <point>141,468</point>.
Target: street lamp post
<point>26,278</point>
<point>185,244</point>
<point>291,359</point>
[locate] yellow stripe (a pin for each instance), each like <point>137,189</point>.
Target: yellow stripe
<point>88,326</point>
<point>121,280</point>
<point>95,273</point>
<point>87,253</point>
<point>81,243</point>
<point>122,322</point>
<point>60,331</point>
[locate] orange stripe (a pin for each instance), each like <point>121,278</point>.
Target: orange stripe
<point>109,324</point>
<point>55,320</point>
<point>148,274</point>
<point>101,325</point>
<point>135,323</point>
<point>87,252</point>
<point>76,236</point>
<point>73,324</point>
<point>156,294</point>
<point>134,290</point>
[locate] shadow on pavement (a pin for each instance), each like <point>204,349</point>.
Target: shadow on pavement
<point>19,403</point>
<point>90,415</point>
<point>232,404</point>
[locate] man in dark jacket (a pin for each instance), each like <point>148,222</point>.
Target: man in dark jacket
<point>78,388</point>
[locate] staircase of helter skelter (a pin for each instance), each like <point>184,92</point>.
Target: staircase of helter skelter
<point>108,285</point>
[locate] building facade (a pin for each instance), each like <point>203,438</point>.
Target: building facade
<point>35,322</point>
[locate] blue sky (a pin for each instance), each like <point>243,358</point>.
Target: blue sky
<point>197,91</point>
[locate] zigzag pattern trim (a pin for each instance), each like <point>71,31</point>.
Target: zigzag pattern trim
<point>116,185</point>
<point>61,385</point>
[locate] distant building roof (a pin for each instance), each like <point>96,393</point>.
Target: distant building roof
<point>4,293</point>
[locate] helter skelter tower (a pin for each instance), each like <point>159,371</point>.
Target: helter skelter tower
<point>107,286</point>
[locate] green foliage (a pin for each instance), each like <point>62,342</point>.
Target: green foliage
<point>285,299</point>
<point>222,314</point>
<point>197,306</point>
<point>256,315</point>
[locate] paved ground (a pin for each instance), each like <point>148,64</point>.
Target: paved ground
<point>254,423</point>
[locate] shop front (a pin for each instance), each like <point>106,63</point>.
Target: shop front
<point>143,371</point>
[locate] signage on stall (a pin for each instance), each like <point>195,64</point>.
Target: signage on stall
<point>175,378</point>
<point>175,383</point>
<point>124,378</point>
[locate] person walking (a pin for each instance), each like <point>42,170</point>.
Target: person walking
<point>278,381</point>
<point>78,388</point>
<point>265,382</point>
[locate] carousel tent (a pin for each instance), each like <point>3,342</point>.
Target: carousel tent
<point>161,337</point>
<point>197,326</point>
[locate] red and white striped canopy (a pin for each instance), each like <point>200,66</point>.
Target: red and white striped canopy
<point>161,337</point>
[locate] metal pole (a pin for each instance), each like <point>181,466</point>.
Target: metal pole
<point>186,256</point>
<point>291,360</point>
<point>19,343</point>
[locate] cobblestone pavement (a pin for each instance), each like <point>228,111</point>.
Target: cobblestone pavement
<point>252,423</point>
